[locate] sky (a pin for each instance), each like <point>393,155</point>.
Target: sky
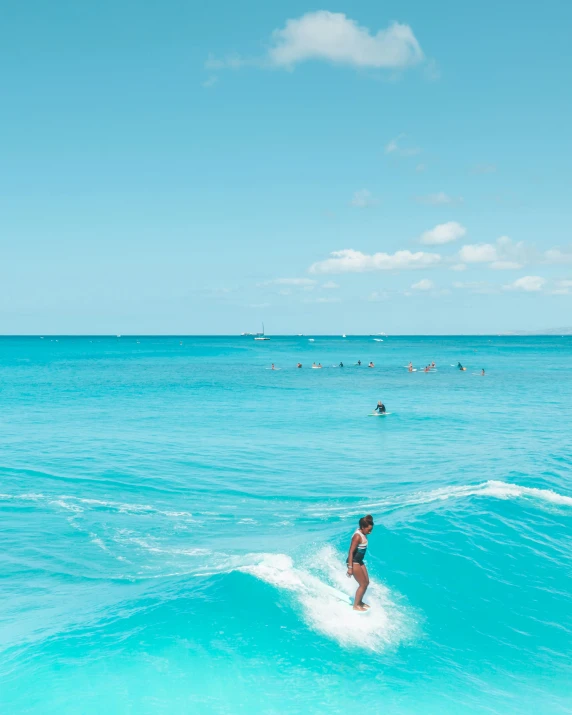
<point>186,168</point>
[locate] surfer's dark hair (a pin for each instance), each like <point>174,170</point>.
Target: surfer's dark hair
<point>366,521</point>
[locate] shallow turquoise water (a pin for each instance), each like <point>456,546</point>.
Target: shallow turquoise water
<point>172,515</point>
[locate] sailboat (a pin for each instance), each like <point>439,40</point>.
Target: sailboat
<point>261,335</point>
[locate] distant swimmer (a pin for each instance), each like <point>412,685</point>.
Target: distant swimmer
<point>371,365</point>
<point>483,371</point>
<point>273,368</point>
<point>380,407</point>
<point>341,364</point>
<point>299,364</point>
<point>433,365</point>
<point>356,566</point>
<point>460,366</point>
<point>410,367</point>
<point>427,368</point>
<point>319,364</point>
<point>359,362</point>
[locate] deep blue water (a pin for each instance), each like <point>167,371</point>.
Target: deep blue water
<point>172,513</point>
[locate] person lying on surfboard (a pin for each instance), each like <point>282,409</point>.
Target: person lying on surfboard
<point>380,407</point>
<point>356,555</point>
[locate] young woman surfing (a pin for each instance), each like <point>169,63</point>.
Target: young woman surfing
<point>356,555</point>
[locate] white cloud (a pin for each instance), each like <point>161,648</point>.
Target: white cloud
<point>443,233</point>
<point>528,284</point>
<point>293,281</point>
<point>503,255</point>
<point>322,299</point>
<point>376,296</point>
<point>481,287</point>
<point>506,266</point>
<point>303,283</point>
<point>210,81</point>
<point>363,198</point>
<point>421,167</point>
<point>478,253</point>
<point>555,255</point>
<point>432,71</point>
<point>391,146</point>
<point>563,288</point>
<point>334,37</point>
<point>423,285</point>
<point>459,267</point>
<point>330,285</point>
<point>231,62</point>
<point>439,199</point>
<point>351,261</point>
<point>394,147</point>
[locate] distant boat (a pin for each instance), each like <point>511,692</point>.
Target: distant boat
<point>378,340</point>
<point>261,336</point>
<point>343,336</point>
<point>310,340</point>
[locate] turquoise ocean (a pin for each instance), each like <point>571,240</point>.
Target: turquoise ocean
<point>173,515</point>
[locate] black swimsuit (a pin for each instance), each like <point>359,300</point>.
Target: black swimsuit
<point>359,551</point>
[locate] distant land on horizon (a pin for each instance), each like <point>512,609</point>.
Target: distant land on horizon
<point>545,331</point>
<point>563,331</point>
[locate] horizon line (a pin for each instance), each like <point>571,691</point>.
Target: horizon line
<point>548,332</point>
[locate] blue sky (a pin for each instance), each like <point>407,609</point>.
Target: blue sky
<point>398,167</point>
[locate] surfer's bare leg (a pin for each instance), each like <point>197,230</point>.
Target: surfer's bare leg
<point>365,605</point>
<point>360,575</point>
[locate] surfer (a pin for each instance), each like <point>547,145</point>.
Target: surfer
<point>371,365</point>
<point>359,362</point>
<point>299,364</point>
<point>341,364</point>
<point>427,368</point>
<point>356,566</point>
<point>380,407</point>
<point>433,365</point>
<point>273,368</point>
<point>460,366</point>
<point>483,372</point>
<point>410,367</point>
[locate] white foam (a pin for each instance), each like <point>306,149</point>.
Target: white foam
<point>492,488</point>
<point>383,626</point>
<point>65,505</point>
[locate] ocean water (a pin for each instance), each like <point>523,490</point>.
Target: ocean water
<point>173,514</point>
